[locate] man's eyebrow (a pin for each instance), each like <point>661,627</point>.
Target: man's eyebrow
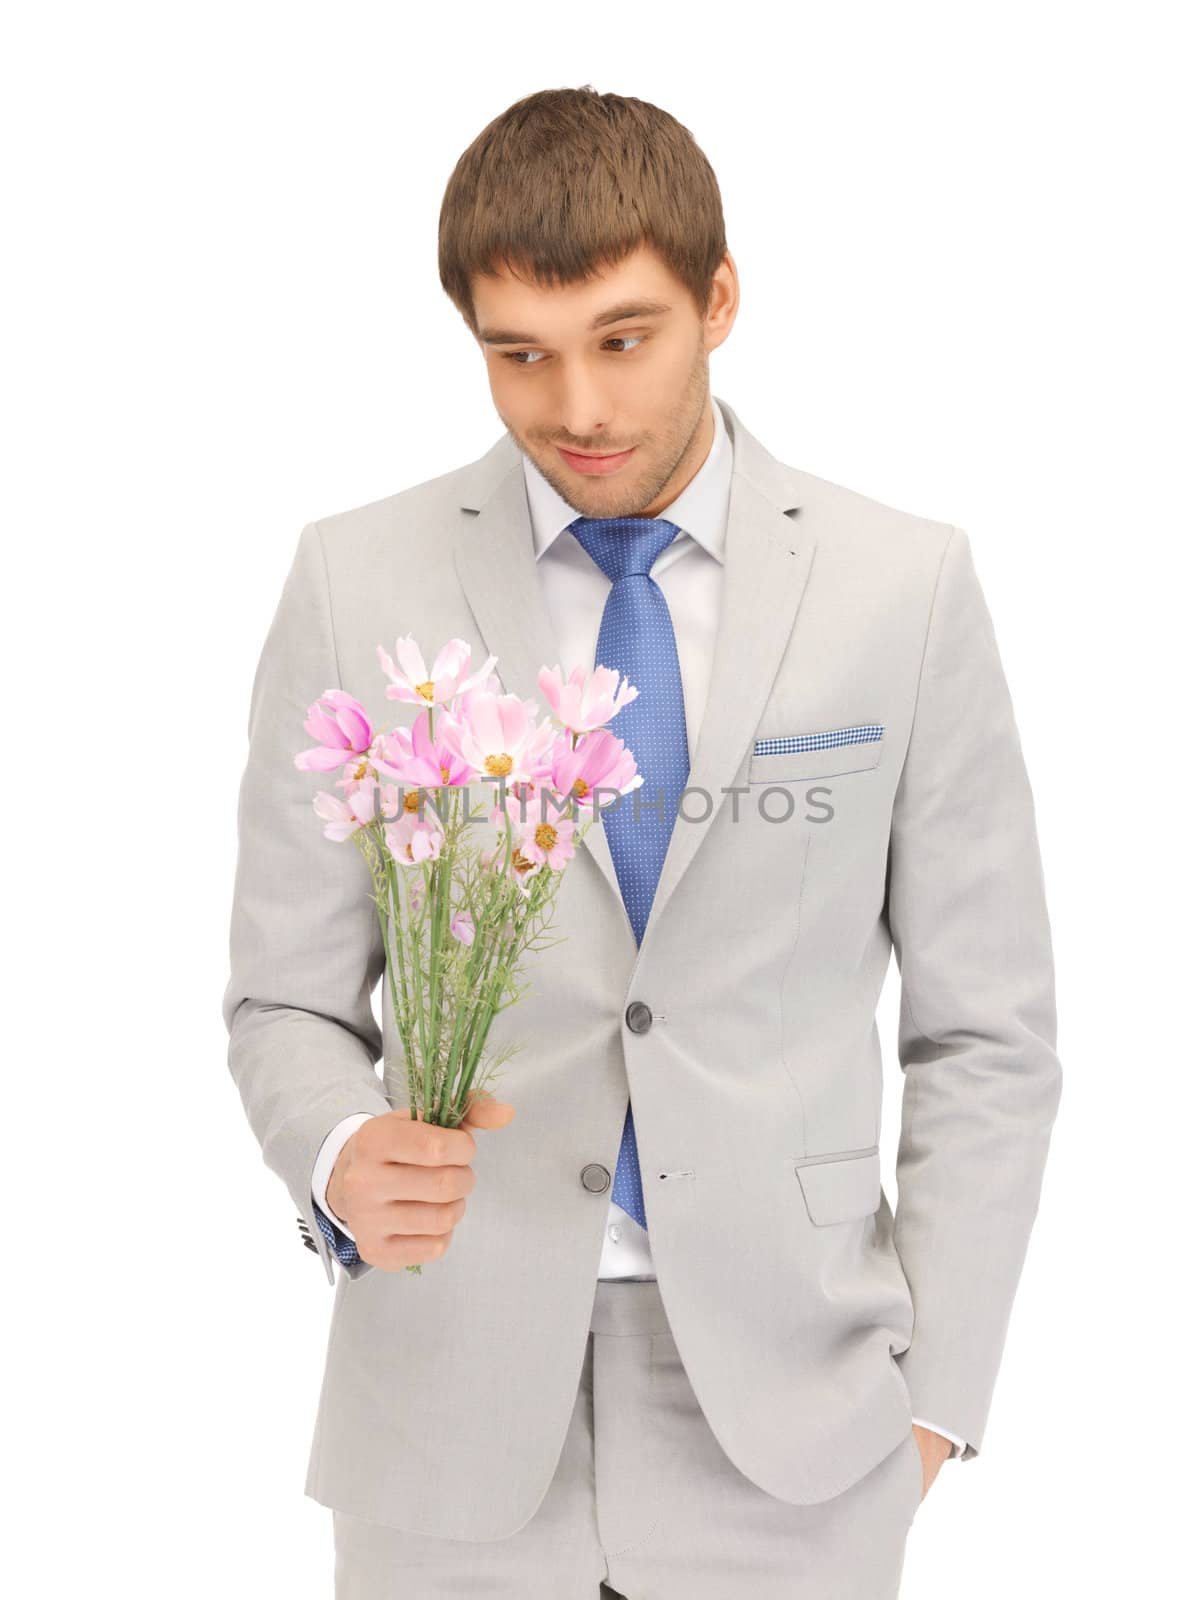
<point>618,313</point>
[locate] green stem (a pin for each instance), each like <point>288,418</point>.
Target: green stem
<point>487,1013</point>
<point>396,966</point>
<point>486,1010</point>
<point>441,925</point>
<point>475,966</point>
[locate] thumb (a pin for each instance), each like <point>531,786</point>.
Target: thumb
<point>485,1111</point>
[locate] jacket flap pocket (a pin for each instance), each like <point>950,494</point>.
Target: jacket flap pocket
<point>840,1188</point>
<point>816,755</point>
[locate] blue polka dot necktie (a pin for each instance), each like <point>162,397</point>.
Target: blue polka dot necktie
<point>637,639</point>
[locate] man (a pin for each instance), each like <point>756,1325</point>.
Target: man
<point>680,1344</point>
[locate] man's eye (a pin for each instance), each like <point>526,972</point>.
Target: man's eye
<point>617,338</point>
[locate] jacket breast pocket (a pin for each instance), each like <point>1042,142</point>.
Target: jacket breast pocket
<point>824,754</point>
<point>841,1188</point>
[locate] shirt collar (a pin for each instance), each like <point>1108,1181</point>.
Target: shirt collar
<point>699,510</point>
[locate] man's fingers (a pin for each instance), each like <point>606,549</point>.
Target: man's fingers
<point>408,1138</point>
<point>485,1111</point>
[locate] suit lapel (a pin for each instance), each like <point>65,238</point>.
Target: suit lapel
<point>767,561</point>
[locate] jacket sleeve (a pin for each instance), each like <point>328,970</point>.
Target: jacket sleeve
<point>977,1032</point>
<point>305,947</point>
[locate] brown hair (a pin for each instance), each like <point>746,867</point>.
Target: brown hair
<point>569,181</point>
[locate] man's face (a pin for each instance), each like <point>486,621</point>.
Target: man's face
<point>617,364</point>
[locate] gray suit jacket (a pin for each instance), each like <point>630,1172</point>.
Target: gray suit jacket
<point>813,1323</point>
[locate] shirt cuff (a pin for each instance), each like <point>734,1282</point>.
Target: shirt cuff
<point>331,1148</point>
<point>959,1444</point>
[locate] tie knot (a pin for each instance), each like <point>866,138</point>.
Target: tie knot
<point>623,546</point>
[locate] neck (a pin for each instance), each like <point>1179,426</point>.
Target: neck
<point>688,465</point>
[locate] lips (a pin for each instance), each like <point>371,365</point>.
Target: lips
<point>595,466</point>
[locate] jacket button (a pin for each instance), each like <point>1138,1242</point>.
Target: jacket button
<point>638,1016</point>
<point>595,1178</point>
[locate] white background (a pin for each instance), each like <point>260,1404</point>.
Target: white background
<point>968,275</point>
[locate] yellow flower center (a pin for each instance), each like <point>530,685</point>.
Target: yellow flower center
<point>544,835</point>
<point>498,766</point>
<point>425,690</point>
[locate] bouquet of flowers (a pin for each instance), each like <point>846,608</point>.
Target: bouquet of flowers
<point>457,919</point>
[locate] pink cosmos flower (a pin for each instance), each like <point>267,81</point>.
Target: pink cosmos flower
<point>549,843</point>
<point>432,763</point>
<point>519,867</point>
<point>489,685</point>
<point>588,699</point>
<point>547,743</point>
<point>415,685</point>
<point>496,736</point>
<point>523,803</point>
<point>599,761</point>
<point>340,726</point>
<point>359,770</point>
<point>413,839</point>
<point>389,751</point>
<point>344,817</point>
<point>462,926</point>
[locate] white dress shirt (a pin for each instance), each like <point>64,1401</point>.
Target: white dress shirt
<point>689,572</point>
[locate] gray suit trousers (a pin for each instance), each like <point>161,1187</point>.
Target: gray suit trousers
<point>644,1503</point>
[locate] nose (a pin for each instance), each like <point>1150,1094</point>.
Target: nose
<point>584,411</point>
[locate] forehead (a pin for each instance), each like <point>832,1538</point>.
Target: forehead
<point>509,309</point>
